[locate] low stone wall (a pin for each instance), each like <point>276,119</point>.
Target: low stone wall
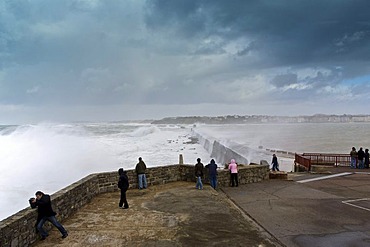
<point>19,229</point>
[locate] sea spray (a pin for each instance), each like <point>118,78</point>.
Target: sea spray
<point>49,156</point>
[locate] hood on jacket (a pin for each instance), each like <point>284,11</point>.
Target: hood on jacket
<point>121,171</point>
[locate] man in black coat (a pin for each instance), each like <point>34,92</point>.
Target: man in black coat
<point>361,156</point>
<point>123,184</point>
<point>46,213</point>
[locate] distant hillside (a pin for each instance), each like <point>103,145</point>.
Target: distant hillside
<point>235,119</point>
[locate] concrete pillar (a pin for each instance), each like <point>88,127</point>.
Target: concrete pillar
<point>181,160</point>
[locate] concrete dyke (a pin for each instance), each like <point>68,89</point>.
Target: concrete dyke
<point>19,229</point>
<point>222,153</point>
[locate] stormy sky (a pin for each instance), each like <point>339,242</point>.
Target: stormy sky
<point>97,60</point>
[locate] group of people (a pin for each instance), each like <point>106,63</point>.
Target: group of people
<point>360,158</point>
<point>212,173</point>
<point>46,213</point>
<point>123,182</point>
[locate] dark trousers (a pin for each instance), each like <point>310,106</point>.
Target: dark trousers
<point>123,200</point>
<point>54,221</point>
<point>275,167</point>
<point>234,179</point>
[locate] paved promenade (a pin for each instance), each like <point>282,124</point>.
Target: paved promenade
<point>175,214</point>
<point>306,210</point>
<point>319,210</point>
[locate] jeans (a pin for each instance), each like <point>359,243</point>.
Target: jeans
<point>53,221</point>
<point>199,184</point>
<point>361,164</point>
<point>275,167</point>
<point>213,181</point>
<point>353,162</point>
<point>142,181</point>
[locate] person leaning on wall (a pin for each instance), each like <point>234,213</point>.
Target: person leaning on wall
<point>212,171</point>
<point>45,213</point>
<point>140,171</point>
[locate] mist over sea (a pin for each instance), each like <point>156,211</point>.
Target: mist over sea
<point>50,156</point>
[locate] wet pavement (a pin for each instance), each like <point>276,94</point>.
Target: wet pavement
<point>322,209</point>
<point>174,214</point>
<point>311,209</point>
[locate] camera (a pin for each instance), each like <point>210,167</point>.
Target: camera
<point>32,204</point>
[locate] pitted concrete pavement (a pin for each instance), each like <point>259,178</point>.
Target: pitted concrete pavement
<point>298,212</point>
<point>174,214</point>
<point>328,212</point>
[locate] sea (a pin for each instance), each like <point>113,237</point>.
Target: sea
<point>50,156</point>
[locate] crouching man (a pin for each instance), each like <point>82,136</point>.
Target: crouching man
<point>45,213</point>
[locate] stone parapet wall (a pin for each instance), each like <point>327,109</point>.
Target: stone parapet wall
<point>19,229</point>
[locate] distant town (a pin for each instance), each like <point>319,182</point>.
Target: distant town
<point>236,119</point>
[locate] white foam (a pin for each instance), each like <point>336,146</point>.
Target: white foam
<point>49,157</point>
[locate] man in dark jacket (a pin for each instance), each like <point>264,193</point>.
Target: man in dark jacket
<point>140,171</point>
<point>198,170</point>
<point>274,162</point>
<point>46,213</point>
<point>212,169</point>
<point>361,156</point>
<point>123,184</point>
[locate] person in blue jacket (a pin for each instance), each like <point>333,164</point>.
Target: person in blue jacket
<point>212,169</point>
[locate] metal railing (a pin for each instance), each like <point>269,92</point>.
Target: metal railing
<point>328,159</point>
<point>303,161</point>
<point>309,159</point>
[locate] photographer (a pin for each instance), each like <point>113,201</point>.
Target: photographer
<point>45,213</point>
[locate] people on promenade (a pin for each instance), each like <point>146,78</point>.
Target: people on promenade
<point>45,213</point>
<point>353,155</point>
<point>212,171</point>
<point>198,170</point>
<point>360,157</point>
<point>140,171</point>
<point>233,168</point>
<point>367,158</point>
<point>123,185</point>
<point>274,163</point>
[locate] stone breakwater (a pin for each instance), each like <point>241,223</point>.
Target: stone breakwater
<point>19,229</point>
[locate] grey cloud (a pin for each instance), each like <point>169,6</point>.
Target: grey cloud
<point>181,52</point>
<point>290,32</point>
<point>284,80</point>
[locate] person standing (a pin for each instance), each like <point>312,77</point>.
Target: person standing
<point>46,213</point>
<point>275,164</point>
<point>212,169</point>
<point>353,155</point>
<point>233,168</point>
<point>199,174</point>
<point>360,157</point>
<point>123,184</point>
<point>140,171</point>
<point>366,158</point>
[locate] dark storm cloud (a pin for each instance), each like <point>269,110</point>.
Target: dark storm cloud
<point>283,80</point>
<point>249,54</point>
<point>288,32</point>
